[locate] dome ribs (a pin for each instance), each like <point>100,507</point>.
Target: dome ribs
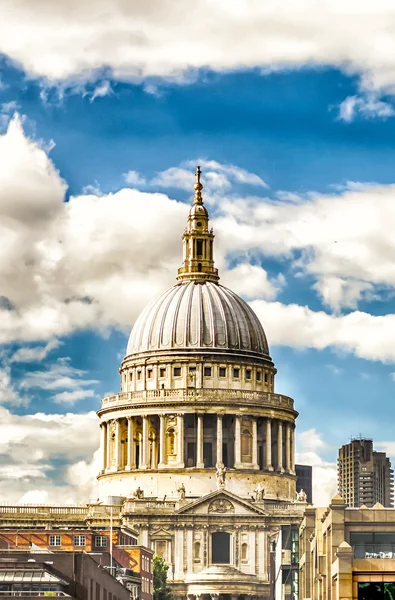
<point>219,329</point>
<point>194,315</point>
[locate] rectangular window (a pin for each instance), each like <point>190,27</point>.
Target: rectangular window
<point>236,373</point>
<point>199,247</point>
<point>101,541</point>
<point>177,371</point>
<point>138,374</point>
<point>55,540</point>
<point>79,540</point>
<point>222,371</point>
<point>207,371</point>
<point>258,375</point>
<point>162,372</point>
<point>265,377</point>
<point>248,373</point>
<point>149,373</point>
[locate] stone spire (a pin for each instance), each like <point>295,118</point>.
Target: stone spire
<point>198,241</point>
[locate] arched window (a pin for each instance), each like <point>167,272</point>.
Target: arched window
<point>199,267</point>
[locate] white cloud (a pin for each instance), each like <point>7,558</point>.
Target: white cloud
<point>101,90</point>
<point>9,394</point>
<point>83,264</point>
<point>251,281</point>
<point>309,445</point>
<point>168,39</point>
<point>60,376</point>
<point>34,353</point>
<point>343,240</point>
<point>30,444</point>
<point>72,397</point>
<point>365,335</point>
<point>134,178</point>
<point>368,107</point>
<point>217,177</point>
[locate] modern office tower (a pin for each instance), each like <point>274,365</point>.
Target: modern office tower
<point>304,480</point>
<point>364,475</point>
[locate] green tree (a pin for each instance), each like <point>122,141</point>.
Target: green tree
<point>161,589</point>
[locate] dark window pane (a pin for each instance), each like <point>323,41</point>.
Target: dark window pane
<point>370,591</point>
<point>220,549</point>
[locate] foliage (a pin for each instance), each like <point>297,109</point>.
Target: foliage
<point>161,589</point>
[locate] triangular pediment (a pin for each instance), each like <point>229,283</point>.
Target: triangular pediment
<point>161,534</point>
<point>221,502</point>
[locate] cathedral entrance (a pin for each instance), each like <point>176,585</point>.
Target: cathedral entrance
<point>220,548</point>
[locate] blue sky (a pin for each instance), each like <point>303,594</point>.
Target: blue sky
<point>97,170</point>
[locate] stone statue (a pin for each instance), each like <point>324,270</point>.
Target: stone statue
<point>139,494</point>
<point>181,492</point>
<point>301,496</point>
<point>259,492</point>
<point>221,474</point>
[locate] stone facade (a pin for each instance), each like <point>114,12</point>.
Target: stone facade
<point>198,441</point>
<point>347,553</point>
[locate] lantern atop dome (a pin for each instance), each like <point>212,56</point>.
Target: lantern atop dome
<point>198,241</point>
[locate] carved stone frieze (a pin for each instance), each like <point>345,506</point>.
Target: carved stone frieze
<point>221,505</point>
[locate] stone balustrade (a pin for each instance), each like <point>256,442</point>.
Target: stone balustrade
<point>200,394</point>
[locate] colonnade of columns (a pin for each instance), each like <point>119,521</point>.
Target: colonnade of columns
<point>258,443</point>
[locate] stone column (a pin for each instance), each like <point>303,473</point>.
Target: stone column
<point>255,443</point>
<point>268,457</point>
<point>238,442</point>
<point>145,444</point>
<point>199,444</point>
<point>288,448</point>
<point>280,447</point>
<point>103,444</point>
<point>118,451</point>
<point>109,444</point>
<point>131,448</point>
<point>292,458</point>
<point>219,441</point>
<point>180,440</point>
<point>161,441</point>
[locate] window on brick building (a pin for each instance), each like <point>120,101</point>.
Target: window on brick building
<point>101,541</point>
<point>80,540</point>
<point>55,540</point>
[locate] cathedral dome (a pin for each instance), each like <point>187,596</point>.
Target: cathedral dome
<point>198,315</point>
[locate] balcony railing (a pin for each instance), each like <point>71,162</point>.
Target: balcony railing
<point>201,394</point>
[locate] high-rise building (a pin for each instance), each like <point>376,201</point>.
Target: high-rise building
<point>364,475</point>
<point>304,481</point>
